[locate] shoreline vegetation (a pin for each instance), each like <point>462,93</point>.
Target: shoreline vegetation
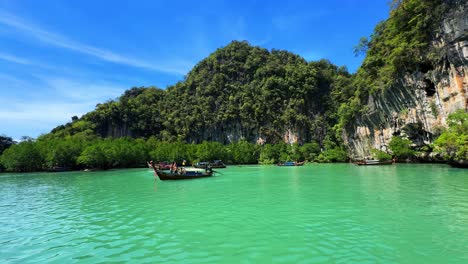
<point>86,150</point>
<point>241,95</point>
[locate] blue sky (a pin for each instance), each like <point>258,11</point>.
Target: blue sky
<point>60,58</point>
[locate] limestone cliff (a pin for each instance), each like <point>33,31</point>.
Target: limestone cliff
<point>418,105</point>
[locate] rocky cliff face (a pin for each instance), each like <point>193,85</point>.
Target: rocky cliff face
<point>417,107</point>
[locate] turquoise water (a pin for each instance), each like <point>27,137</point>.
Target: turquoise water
<point>318,213</point>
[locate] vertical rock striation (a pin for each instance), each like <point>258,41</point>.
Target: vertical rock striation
<point>418,105</point>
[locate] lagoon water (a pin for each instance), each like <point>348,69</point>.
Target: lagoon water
<point>318,213</point>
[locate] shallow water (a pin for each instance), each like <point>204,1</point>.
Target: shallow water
<point>318,213</point>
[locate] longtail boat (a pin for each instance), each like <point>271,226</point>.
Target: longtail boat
<point>183,174</point>
<point>291,163</point>
<point>373,162</point>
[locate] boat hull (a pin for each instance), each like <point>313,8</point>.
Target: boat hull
<point>366,163</point>
<point>165,176</point>
<point>287,164</point>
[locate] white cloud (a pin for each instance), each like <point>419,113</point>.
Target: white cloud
<point>178,67</point>
<point>79,90</point>
<point>59,99</point>
<point>36,118</point>
<point>41,112</point>
<point>11,58</point>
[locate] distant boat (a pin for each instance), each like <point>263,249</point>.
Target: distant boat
<point>217,164</point>
<point>291,163</point>
<point>373,162</point>
<point>183,174</point>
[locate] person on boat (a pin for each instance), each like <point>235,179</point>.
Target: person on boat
<point>181,171</point>
<point>183,163</point>
<point>174,167</point>
<point>208,168</point>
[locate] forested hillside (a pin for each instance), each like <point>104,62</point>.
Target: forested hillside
<point>238,92</point>
<point>247,104</point>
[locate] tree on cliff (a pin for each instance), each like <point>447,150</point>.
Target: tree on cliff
<point>401,148</point>
<point>454,141</point>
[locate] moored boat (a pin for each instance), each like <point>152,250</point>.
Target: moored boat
<point>182,173</point>
<point>291,163</point>
<point>373,162</point>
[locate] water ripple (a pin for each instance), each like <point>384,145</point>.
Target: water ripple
<point>250,214</point>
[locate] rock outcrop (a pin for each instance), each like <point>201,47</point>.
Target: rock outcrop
<point>418,105</point>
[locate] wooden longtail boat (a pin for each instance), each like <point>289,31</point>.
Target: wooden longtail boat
<point>291,163</point>
<point>183,174</point>
<point>373,162</point>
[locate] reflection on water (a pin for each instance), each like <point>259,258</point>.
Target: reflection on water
<point>259,214</point>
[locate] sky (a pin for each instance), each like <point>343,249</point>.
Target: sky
<point>60,58</point>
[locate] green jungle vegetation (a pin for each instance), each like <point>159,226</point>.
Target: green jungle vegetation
<point>399,45</point>
<point>90,151</point>
<point>240,93</point>
<point>453,142</point>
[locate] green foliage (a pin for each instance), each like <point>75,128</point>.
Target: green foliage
<point>310,151</point>
<point>281,152</point>
<point>268,154</point>
<point>239,89</point>
<point>398,45</point>
<point>404,112</point>
<point>96,156</point>
<point>61,152</point>
<point>402,42</point>
<point>458,122</point>
<point>336,154</point>
<point>381,155</point>
<point>115,153</point>
<point>22,157</point>
<point>208,151</point>
<point>243,152</point>
<point>362,46</point>
<point>243,92</point>
<point>401,147</point>
<point>427,148</point>
<point>333,152</point>
<point>453,143</point>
